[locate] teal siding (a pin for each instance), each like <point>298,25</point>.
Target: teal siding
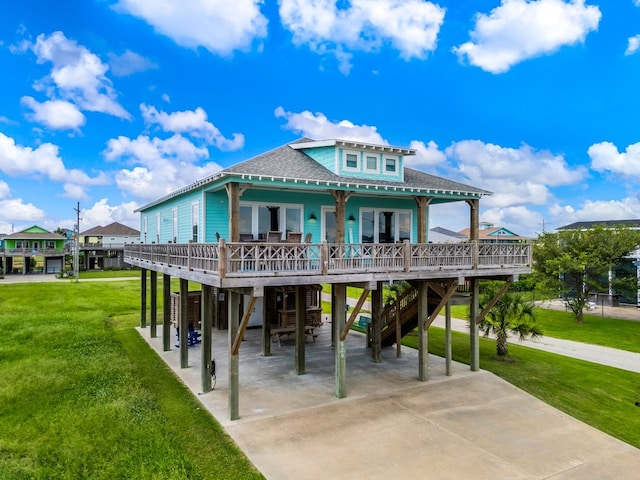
<point>325,156</point>
<point>183,204</point>
<point>217,216</point>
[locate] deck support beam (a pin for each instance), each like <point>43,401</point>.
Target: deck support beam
<point>206,305</point>
<point>153,333</point>
<point>376,323</point>
<point>447,338</point>
<point>301,314</point>
<point>474,331</point>
<point>266,329</point>
<point>339,317</point>
<point>166,312</point>
<point>184,323</point>
<point>423,332</point>
<point>143,298</point>
<point>233,304</point>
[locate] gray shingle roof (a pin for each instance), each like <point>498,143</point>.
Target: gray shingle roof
<point>291,164</point>
<point>115,228</point>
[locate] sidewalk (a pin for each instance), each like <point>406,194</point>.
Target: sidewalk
<point>611,357</point>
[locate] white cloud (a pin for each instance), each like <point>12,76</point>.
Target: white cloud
<point>101,213</point>
<point>19,161</point>
<point>77,75</point>
<point>623,209</point>
<point>193,122</point>
<point>55,114</point>
<point>633,45</point>
<point>520,220</point>
<point>426,155</point>
<point>337,27</point>
<point>15,210</point>
<point>128,63</point>
<point>606,157</point>
<point>220,26</point>
<point>159,166</point>
<point>516,176</point>
<point>318,127</point>
<point>521,29</point>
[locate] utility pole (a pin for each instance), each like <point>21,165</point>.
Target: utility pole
<point>76,252</point>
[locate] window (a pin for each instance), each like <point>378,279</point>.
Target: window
<point>145,226</point>
<point>351,161</point>
<point>385,226</point>
<point>257,219</point>
<point>371,163</point>
<point>50,244</point>
<point>329,225</point>
<point>390,165</point>
<point>175,225</point>
<point>195,217</point>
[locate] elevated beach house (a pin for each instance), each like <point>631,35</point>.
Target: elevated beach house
<point>263,235</point>
<point>33,250</point>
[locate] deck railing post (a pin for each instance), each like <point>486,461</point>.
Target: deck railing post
<point>222,258</point>
<point>475,254</point>
<point>324,257</point>
<point>407,255</point>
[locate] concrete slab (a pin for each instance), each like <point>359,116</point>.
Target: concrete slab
<point>469,425</point>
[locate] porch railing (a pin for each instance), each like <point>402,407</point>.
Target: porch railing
<point>268,259</point>
<point>32,251</point>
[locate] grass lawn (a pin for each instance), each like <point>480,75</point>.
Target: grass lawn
<point>598,330</point>
<point>83,396</point>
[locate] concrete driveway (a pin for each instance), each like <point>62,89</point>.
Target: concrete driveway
<point>470,425</point>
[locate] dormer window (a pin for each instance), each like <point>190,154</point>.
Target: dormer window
<point>371,164</point>
<point>351,161</point>
<point>391,165</point>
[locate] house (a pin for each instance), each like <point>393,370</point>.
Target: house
<point>103,247</point>
<point>443,235</point>
<point>33,249</point>
<point>489,233</point>
<point>261,234</point>
<point>627,266</point>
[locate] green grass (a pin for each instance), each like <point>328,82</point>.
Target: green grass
<point>83,396</point>
<point>109,274</point>
<point>601,396</point>
<point>598,330</point>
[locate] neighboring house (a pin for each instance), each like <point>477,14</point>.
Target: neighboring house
<point>103,247</point>
<point>491,234</point>
<point>628,265</point>
<point>442,235</point>
<point>33,250</point>
<point>262,234</point>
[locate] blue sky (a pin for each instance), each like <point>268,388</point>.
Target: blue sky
<point>113,103</point>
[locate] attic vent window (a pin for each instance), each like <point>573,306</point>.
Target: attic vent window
<point>371,163</point>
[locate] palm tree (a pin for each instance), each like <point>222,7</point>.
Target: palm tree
<point>511,314</point>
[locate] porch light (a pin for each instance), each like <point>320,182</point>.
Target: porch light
<point>351,218</point>
<point>312,217</point>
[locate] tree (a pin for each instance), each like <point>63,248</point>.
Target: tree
<point>511,314</point>
<point>576,262</point>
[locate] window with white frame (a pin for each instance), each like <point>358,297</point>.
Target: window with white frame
<point>256,219</point>
<point>351,161</point>
<point>174,233</point>
<point>145,227</point>
<point>385,226</point>
<point>195,221</point>
<point>371,164</point>
<point>390,165</point>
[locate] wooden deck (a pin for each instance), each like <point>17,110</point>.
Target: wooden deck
<point>236,265</point>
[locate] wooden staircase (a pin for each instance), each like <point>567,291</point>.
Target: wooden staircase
<point>403,311</point>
